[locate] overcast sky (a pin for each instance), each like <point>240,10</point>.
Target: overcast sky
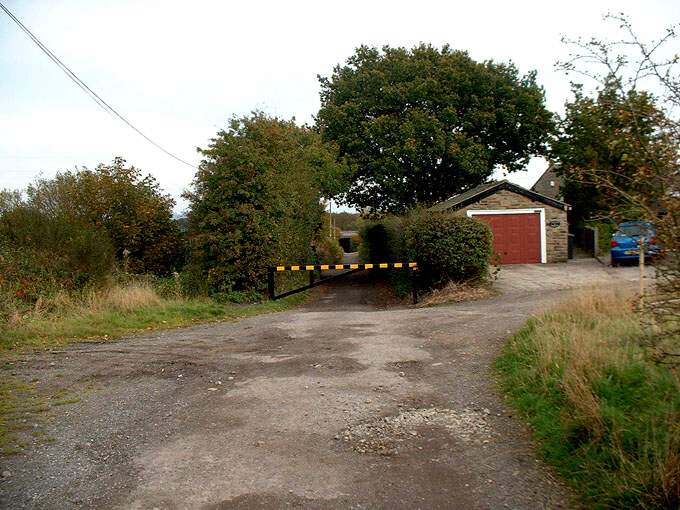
<point>179,70</point>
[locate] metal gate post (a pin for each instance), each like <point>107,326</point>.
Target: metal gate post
<point>270,283</point>
<point>414,285</point>
<point>311,277</point>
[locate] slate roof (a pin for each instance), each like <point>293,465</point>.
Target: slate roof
<point>489,188</point>
<point>543,183</point>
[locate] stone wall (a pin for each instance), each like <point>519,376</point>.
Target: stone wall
<point>556,238</point>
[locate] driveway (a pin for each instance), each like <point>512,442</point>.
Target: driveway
<point>345,403</point>
<point>522,278</point>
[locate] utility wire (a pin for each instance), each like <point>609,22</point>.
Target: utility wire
<point>83,86</point>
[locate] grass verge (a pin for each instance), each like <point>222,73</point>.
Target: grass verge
<point>119,316</point>
<point>604,416</point>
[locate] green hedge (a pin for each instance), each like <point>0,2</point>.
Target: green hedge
<point>447,247</point>
<point>382,241</point>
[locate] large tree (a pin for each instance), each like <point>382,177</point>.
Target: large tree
<point>618,135</point>
<point>421,125</point>
<point>257,200</point>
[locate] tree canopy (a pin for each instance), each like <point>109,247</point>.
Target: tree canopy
<point>609,148</point>
<point>130,207</point>
<point>622,148</point>
<point>421,125</point>
<point>256,200</point>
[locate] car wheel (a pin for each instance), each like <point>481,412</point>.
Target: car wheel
<point>615,263</point>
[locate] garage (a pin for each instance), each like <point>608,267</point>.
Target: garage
<point>516,236</point>
<point>528,228</point>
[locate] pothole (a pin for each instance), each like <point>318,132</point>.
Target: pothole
<point>389,435</point>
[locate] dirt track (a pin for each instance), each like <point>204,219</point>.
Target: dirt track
<point>341,404</point>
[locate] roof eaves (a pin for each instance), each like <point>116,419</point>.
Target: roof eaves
<point>484,190</point>
<point>466,196</point>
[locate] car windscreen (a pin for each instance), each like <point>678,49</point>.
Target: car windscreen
<point>635,229</point>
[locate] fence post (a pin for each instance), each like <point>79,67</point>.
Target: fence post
<point>641,244</point>
<point>414,285</point>
<point>311,277</point>
<point>270,283</point>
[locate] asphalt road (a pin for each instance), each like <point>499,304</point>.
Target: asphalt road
<point>345,403</point>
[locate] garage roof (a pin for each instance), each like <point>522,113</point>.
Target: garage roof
<point>484,190</point>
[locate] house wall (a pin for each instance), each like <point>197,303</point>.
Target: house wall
<point>543,186</point>
<point>556,238</point>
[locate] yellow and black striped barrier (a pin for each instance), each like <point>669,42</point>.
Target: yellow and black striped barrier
<point>347,268</point>
<point>333,267</point>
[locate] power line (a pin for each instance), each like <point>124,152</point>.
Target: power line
<point>83,86</point>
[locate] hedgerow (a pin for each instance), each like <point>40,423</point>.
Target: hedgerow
<point>447,247</point>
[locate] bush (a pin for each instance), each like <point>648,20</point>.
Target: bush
<point>356,242</point>
<point>326,247</point>
<point>382,241</point>
<point>447,247</point>
<point>128,206</point>
<point>41,253</point>
<point>328,251</point>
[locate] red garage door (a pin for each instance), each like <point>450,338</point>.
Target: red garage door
<point>516,237</point>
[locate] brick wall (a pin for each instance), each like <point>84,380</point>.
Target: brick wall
<point>556,238</point>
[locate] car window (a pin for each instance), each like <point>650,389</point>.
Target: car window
<point>635,229</point>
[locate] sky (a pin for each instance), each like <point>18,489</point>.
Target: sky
<point>179,70</point>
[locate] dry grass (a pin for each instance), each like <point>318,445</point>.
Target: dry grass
<point>116,297</point>
<point>113,311</point>
<point>606,414</point>
<point>456,293</point>
<point>124,299</point>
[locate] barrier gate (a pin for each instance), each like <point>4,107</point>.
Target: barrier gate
<point>346,268</point>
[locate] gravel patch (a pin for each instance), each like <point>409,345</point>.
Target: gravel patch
<point>389,435</point>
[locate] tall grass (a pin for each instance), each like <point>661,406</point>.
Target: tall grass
<point>604,415</point>
<point>114,311</point>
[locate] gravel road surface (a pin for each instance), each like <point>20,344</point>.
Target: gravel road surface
<point>345,403</point>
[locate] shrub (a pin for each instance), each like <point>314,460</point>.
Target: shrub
<point>382,241</point>
<point>356,242</point>
<point>118,199</point>
<point>326,247</point>
<point>41,253</point>
<point>328,251</point>
<point>448,247</point>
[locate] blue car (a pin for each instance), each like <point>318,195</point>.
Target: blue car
<point>625,245</point>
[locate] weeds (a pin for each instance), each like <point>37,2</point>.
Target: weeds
<point>20,409</point>
<point>116,311</point>
<point>455,292</point>
<point>605,415</point>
